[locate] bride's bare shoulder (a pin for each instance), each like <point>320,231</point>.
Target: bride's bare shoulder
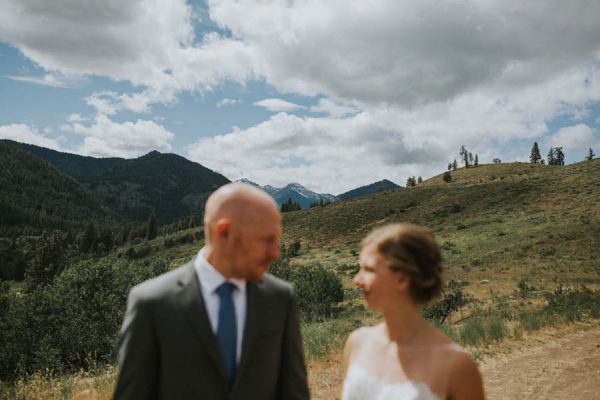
<point>366,332</point>
<point>465,378</point>
<point>359,338</point>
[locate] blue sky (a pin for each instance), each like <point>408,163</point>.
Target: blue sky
<point>332,95</point>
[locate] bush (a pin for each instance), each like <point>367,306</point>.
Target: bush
<point>574,304</point>
<point>447,177</point>
<point>524,289</point>
<point>318,290</point>
<point>71,323</point>
<point>453,299</point>
<point>12,264</point>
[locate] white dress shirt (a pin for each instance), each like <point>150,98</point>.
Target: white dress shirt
<point>210,280</point>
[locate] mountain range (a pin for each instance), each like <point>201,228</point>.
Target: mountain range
<point>305,197</point>
<point>168,185</point>
<point>78,189</point>
<point>295,191</point>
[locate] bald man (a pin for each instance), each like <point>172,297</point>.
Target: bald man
<point>217,327</point>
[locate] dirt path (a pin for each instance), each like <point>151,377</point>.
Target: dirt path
<point>560,364</point>
<point>558,367</point>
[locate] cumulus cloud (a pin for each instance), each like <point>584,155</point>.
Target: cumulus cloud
<point>76,118</point>
<point>405,53</point>
<point>337,154</point>
<point>276,105</point>
<point>227,102</point>
<point>334,108</point>
<point>576,139</point>
<point>106,138</point>
<point>410,52</point>
<point>27,134</point>
<point>149,43</point>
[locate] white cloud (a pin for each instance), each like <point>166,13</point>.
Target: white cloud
<point>404,53</point>
<point>227,102</point>
<point>76,118</point>
<point>27,134</point>
<point>276,105</point>
<point>337,154</point>
<point>109,103</point>
<point>334,108</point>
<point>106,138</point>
<point>410,52</point>
<point>575,140</point>
<point>46,80</point>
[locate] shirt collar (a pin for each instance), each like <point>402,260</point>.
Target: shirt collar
<point>210,278</point>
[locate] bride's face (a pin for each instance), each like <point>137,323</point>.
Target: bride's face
<point>380,285</point>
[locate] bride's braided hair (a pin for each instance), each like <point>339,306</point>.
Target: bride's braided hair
<point>413,251</point>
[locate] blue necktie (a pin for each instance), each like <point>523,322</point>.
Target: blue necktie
<point>227,330</point>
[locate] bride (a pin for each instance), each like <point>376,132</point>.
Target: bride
<point>404,357</point>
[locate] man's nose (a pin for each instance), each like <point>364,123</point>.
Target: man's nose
<point>357,280</point>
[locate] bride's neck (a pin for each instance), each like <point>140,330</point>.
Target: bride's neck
<point>405,325</point>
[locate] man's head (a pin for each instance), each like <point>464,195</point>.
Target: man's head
<point>242,227</point>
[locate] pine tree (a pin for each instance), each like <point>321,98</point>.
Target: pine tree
<point>151,229</point>
<point>290,205</point>
<point>454,165</point>
<point>89,239</point>
<point>535,155</point>
<point>107,239</point>
<point>551,159</point>
<point>476,162</point>
<point>449,166</point>
<point>48,260</point>
<point>419,180</point>
<point>559,156</point>
<point>464,154</point>
<point>447,177</point>
<point>590,155</point>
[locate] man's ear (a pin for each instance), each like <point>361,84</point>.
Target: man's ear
<point>222,228</point>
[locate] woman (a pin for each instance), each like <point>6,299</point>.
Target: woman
<point>404,357</point>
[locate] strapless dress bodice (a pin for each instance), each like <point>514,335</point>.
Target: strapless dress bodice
<point>360,384</point>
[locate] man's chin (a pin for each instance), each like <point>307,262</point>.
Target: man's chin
<point>258,275</point>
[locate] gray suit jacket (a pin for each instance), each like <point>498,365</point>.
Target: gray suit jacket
<point>168,349</point>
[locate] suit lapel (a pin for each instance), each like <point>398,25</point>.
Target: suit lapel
<point>192,303</point>
<point>253,297</point>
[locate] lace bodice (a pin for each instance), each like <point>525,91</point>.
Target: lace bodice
<point>360,384</point>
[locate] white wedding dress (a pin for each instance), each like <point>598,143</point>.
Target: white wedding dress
<point>360,384</point>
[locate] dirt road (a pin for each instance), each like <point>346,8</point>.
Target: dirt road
<point>553,367</point>
<point>559,364</point>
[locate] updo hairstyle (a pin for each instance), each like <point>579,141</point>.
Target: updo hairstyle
<point>413,251</point>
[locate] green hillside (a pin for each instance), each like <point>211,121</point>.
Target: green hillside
<point>35,195</point>
<point>504,222</point>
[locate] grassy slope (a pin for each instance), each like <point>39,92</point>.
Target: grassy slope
<point>496,222</point>
<point>502,222</point>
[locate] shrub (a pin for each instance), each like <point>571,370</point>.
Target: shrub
<point>12,264</point>
<point>574,304</point>
<point>473,331</point>
<point>447,177</point>
<point>453,299</point>
<point>71,323</point>
<point>318,290</point>
<point>524,289</point>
